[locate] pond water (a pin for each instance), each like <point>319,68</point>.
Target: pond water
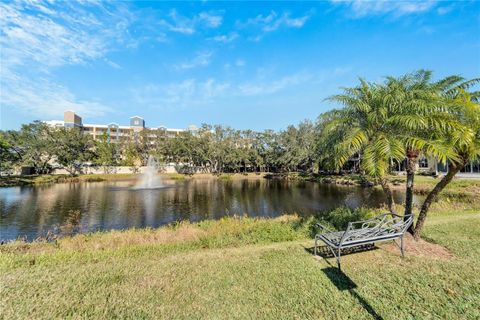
<point>68,208</point>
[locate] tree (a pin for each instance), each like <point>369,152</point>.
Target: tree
<point>145,142</point>
<point>420,120</point>
<point>9,156</point>
<point>36,145</point>
<point>362,127</point>
<point>106,154</point>
<point>426,119</point>
<point>297,147</point>
<point>73,148</point>
<point>465,142</point>
<point>130,155</point>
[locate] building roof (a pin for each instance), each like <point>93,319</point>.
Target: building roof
<point>105,126</point>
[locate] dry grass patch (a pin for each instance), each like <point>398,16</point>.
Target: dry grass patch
<point>229,231</point>
<point>184,232</point>
<point>116,239</point>
<point>421,248</point>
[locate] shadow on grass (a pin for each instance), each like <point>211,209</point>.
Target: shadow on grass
<point>325,252</point>
<point>344,283</point>
<point>340,280</point>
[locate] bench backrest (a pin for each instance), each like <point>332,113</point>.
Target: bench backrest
<point>384,226</point>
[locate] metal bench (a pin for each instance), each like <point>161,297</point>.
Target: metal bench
<point>384,227</point>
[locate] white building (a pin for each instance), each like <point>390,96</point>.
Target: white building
<point>114,131</point>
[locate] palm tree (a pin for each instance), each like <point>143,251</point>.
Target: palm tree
<point>363,127</point>
<point>421,117</point>
<point>401,119</point>
<point>465,141</point>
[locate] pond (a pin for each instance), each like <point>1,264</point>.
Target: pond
<point>68,208</point>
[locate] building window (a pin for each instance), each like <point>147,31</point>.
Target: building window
<point>423,163</point>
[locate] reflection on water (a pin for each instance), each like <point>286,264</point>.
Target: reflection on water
<point>83,207</point>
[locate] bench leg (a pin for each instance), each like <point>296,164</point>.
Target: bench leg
<point>401,246</point>
<point>315,248</point>
<point>338,260</point>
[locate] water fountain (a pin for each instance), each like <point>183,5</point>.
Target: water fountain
<point>149,178</point>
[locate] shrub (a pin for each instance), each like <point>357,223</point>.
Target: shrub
<point>341,216</point>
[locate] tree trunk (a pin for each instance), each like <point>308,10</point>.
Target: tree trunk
<point>388,193</point>
<point>452,171</point>
<point>412,156</point>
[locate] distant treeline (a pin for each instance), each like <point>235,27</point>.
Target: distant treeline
<point>215,149</point>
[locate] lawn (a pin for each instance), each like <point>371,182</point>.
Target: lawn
<point>240,269</point>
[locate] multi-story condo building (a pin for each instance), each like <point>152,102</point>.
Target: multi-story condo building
<point>114,131</point>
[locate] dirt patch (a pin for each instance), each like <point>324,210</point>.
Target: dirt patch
<point>421,248</point>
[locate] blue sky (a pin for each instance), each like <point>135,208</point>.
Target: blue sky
<point>257,65</point>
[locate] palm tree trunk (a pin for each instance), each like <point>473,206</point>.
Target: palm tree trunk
<point>452,171</point>
<point>412,156</point>
<point>388,192</point>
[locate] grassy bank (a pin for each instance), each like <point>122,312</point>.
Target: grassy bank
<point>241,268</point>
<point>460,189</point>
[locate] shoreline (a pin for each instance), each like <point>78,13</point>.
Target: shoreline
<point>234,230</point>
<point>186,230</point>
<point>35,180</point>
<point>233,259</point>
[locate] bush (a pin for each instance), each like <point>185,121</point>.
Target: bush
<point>341,216</point>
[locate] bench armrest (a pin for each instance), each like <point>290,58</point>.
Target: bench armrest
<point>321,226</point>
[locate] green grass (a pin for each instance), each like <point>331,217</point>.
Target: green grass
<point>458,190</point>
<point>239,269</point>
<point>174,176</point>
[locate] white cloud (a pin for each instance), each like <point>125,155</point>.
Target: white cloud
<point>210,20</point>
<point>192,92</point>
<point>201,93</point>
<point>36,37</point>
<point>362,8</point>
<point>284,20</point>
<point>225,38</point>
<point>273,86</point>
<point>202,59</point>
<point>186,93</point>
<point>181,24</point>
<point>274,21</point>
<point>446,9</point>
<point>211,88</point>
<point>112,64</point>
<point>43,98</point>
